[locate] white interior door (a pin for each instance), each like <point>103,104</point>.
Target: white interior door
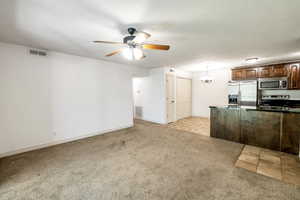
<point>170,82</point>
<point>183,98</point>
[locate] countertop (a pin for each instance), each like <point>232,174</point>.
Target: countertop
<point>261,108</point>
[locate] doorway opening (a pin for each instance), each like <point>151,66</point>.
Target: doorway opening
<point>179,106</point>
<point>178,97</point>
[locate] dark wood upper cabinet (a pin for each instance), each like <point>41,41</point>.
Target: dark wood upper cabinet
<point>244,74</point>
<point>264,72</point>
<point>294,76</point>
<point>292,71</point>
<point>273,71</point>
<point>237,74</point>
<point>250,73</point>
<point>279,71</point>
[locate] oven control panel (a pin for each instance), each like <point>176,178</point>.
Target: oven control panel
<point>275,97</point>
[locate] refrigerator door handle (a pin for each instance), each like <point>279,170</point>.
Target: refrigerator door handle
<point>239,98</point>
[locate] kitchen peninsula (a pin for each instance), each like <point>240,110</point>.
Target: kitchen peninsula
<point>263,110</point>
<point>276,129</point>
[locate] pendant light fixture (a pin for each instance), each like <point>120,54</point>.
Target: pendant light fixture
<point>206,78</point>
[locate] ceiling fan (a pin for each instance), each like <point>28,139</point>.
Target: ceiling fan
<point>134,43</point>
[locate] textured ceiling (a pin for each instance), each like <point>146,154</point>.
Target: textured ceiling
<point>215,31</point>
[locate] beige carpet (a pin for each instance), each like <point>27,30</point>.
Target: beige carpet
<point>198,125</point>
<point>147,162</point>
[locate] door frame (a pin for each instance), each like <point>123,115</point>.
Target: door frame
<point>166,96</point>
<point>175,94</point>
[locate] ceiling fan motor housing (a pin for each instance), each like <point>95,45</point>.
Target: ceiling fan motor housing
<point>128,39</point>
<point>131,37</point>
<point>131,31</point>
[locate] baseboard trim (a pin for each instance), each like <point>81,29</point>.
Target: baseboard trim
<point>41,146</point>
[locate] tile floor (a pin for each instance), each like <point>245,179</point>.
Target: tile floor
<point>274,164</point>
<point>199,125</point>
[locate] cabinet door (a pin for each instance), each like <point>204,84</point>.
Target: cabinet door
<point>264,72</point>
<point>290,133</point>
<point>250,73</point>
<point>261,129</point>
<point>225,124</point>
<point>279,71</point>
<point>294,76</point>
<point>237,74</point>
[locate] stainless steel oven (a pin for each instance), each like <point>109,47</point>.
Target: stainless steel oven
<point>273,83</point>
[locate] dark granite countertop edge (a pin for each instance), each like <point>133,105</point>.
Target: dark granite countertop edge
<point>254,108</point>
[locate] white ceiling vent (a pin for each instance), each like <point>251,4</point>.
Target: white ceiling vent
<point>37,52</point>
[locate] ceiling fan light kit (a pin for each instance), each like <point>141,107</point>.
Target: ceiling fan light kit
<point>131,53</point>
<point>135,42</point>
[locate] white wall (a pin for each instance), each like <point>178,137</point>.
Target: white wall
<point>47,100</point>
<point>150,93</point>
<point>178,72</point>
<point>208,94</point>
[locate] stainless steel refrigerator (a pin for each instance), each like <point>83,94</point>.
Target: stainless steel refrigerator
<point>243,93</point>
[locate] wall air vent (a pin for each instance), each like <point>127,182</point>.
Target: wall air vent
<point>37,52</point>
<point>138,112</point>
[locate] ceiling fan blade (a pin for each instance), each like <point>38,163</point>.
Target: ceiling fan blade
<point>146,34</point>
<point>140,37</point>
<point>114,53</point>
<point>108,42</point>
<point>156,46</point>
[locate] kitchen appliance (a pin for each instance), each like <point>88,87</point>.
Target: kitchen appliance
<point>274,108</point>
<point>248,93</point>
<point>273,83</point>
<point>275,97</point>
<point>243,93</point>
<point>233,93</point>
<point>233,99</point>
<point>275,100</point>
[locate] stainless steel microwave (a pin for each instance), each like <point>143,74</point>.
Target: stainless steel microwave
<point>273,83</point>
